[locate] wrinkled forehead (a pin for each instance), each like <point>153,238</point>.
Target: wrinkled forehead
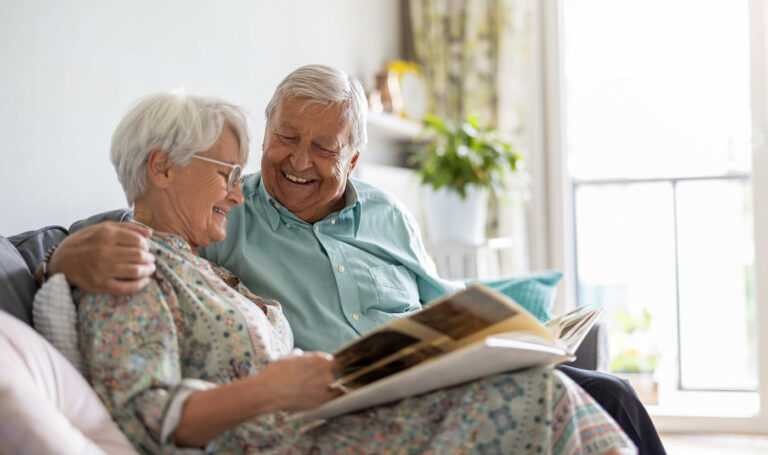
<point>315,117</point>
<point>292,105</point>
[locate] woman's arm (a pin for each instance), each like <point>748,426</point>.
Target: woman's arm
<point>296,382</point>
<point>132,358</point>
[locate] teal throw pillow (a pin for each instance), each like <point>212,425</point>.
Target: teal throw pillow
<point>535,291</point>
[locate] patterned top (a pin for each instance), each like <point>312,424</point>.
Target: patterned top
<point>141,350</point>
<point>145,354</point>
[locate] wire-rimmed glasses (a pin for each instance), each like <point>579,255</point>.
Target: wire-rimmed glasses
<point>235,176</point>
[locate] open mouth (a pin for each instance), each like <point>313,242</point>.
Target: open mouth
<point>219,211</point>
<point>296,179</point>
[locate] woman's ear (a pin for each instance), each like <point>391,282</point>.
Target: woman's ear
<point>158,165</point>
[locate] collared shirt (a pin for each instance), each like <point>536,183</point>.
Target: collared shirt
<point>337,278</point>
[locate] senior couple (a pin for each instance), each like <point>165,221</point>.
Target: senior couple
<point>197,351</point>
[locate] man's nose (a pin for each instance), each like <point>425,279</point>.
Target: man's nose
<point>301,157</point>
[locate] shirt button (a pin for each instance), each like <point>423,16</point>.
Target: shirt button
<point>287,225</point>
<point>341,269</point>
<point>317,228</point>
<point>333,221</point>
<point>276,206</point>
<point>355,317</point>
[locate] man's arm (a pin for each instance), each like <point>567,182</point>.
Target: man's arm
<point>108,257</point>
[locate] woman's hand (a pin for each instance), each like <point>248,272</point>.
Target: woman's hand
<point>296,382</point>
<point>300,380</point>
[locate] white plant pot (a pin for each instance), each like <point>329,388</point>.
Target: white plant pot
<point>451,219</point>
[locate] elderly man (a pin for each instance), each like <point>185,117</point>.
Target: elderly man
<point>341,256</point>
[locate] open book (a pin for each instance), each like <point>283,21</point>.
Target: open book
<point>473,333</point>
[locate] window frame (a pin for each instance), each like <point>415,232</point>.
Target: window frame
<point>553,229</point>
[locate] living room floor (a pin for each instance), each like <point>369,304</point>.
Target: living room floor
<point>688,444</point>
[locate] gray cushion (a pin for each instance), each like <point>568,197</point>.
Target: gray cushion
<point>32,245</point>
<point>17,285</point>
<point>113,215</point>
<point>593,353</point>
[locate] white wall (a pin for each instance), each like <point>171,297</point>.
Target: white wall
<point>70,70</point>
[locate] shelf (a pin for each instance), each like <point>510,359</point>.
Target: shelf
<point>392,127</point>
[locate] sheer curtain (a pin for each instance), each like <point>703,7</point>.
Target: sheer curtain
<point>477,57</point>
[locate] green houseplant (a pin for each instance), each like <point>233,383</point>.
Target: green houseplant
<point>461,164</point>
<point>458,156</point>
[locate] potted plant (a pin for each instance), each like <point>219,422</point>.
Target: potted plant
<point>462,164</point>
<point>637,354</point>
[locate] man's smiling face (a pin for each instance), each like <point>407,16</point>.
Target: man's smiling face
<point>307,158</point>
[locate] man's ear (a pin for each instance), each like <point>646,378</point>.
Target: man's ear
<point>158,165</point>
<point>353,163</point>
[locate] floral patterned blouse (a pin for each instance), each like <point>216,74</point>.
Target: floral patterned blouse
<point>196,326</point>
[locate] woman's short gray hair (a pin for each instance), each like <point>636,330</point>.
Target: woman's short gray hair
<point>323,84</point>
<point>180,124</point>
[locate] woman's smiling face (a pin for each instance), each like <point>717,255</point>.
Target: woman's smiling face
<point>307,158</point>
<point>198,193</point>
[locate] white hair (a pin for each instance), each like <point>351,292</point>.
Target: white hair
<point>323,84</point>
<point>180,124</point>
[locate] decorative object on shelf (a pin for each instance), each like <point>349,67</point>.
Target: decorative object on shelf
<point>400,90</point>
<point>412,88</point>
<point>388,92</point>
<point>462,164</point>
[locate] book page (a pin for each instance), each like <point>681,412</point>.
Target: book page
<point>571,328</point>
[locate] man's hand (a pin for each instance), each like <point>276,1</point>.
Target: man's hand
<point>108,257</point>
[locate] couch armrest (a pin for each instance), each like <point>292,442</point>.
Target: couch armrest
<point>592,354</point>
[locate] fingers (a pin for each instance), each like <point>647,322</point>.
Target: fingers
<point>128,238</point>
<point>131,272</point>
<point>128,255</point>
<point>143,231</point>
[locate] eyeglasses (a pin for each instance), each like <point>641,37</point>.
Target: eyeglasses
<point>234,177</point>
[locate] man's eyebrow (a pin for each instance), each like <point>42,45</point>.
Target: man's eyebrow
<point>328,141</point>
<point>287,125</point>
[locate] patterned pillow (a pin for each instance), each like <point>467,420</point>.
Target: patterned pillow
<point>535,291</point>
<point>55,318</point>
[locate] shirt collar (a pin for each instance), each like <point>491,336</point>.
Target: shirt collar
<point>273,209</point>
<point>270,206</point>
<point>352,204</point>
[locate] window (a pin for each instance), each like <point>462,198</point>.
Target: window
<point>657,101</point>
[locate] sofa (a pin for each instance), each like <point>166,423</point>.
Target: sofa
<point>21,254</point>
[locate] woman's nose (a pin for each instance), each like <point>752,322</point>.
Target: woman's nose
<point>236,194</point>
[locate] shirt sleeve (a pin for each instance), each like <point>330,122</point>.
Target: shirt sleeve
<point>131,357</point>
<point>429,284</point>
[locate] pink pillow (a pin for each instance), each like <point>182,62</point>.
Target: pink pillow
<point>46,406</point>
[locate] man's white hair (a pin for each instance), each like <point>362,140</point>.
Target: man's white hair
<point>322,84</point>
<point>177,123</point>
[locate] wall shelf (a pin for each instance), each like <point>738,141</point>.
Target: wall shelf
<point>393,127</point>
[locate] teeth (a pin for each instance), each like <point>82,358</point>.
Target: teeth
<point>218,210</point>
<point>293,178</point>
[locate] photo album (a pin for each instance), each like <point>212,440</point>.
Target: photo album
<point>464,336</point>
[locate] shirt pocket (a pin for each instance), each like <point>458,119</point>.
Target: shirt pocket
<point>396,288</point>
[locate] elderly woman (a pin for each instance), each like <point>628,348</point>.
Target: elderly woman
<point>195,360</point>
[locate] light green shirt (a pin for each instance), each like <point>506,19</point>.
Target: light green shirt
<point>337,278</point>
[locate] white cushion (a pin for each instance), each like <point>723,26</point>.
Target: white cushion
<point>46,406</point>
<point>56,319</point>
